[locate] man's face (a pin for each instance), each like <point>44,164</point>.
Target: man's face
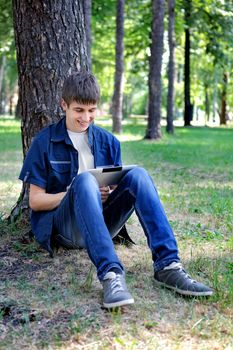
<point>79,116</point>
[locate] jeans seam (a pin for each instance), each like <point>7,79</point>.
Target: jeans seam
<point>93,246</point>
<point>144,225</point>
<point>136,208</point>
<point>85,226</point>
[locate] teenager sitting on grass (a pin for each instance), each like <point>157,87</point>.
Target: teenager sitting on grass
<point>69,208</point>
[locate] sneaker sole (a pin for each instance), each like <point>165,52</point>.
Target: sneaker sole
<point>185,292</point>
<point>118,303</point>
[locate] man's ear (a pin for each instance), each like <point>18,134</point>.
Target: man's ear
<point>63,105</point>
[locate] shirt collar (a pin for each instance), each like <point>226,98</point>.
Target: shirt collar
<point>59,133</point>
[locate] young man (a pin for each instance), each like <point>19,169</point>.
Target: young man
<point>69,208</point>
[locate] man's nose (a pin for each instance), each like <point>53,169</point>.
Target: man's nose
<point>86,116</point>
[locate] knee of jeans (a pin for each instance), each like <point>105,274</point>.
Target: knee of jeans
<point>140,178</point>
<point>138,174</point>
<point>85,181</point>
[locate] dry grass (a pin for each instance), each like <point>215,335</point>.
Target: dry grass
<point>51,303</point>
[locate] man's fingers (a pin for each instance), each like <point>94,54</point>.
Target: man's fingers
<point>105,189</point>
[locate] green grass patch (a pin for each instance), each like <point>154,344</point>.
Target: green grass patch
<point>11,158</point>
<point>56,303</point>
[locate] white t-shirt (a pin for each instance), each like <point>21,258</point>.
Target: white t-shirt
<point>85,157</point>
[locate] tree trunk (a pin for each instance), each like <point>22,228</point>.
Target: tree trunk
<point>207,105</point>
<point>2,68</point>
<point>215,93</point>
<point>155,65</point>
<point>223,114</point>
<point>51,44</point>
<point>2,90</point>
<point>17,110</point>
<point>11,105</point>
<point>119,70</point>
<point>87,16</point>
<point>2,102</point>
<point>171,66</point>
<point>188,107</point>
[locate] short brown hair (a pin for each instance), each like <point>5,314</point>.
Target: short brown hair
<point>81,87</point>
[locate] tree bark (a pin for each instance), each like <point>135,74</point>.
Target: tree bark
<point>117,99</point>
<point>17,110</point>
<point>207,104</point>
<point>11,105</point>
<point>2,69</point>
<point>155,65</point>
<point>188,107</point>
<point>87,16</point>
<point>223,114</point>
<point>215,93</point>
<point>171,66</point>
<point>51,44</point>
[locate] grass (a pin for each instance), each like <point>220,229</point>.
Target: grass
<point>56,303</point>
<point>10,159</point>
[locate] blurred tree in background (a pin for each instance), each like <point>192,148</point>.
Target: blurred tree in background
<point>188,106</point>
<point>208,25</point>
<point>8,69</point>
<point>171,66</point>
<point>117,98</point>
<point>155,64</point>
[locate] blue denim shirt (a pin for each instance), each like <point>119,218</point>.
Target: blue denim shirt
<point>52,162</point>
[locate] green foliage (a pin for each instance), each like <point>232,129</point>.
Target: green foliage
<point>7,52</point>
<point>211,24</point>
<point>103,45</point>
<point>137,28</point>
<point>211,50</point>
<point>6,25</point>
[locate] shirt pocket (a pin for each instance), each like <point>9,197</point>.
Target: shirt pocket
<point>60,166</point>
<point>59,175</point>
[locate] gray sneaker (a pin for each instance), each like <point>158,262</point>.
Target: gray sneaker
<point>176,278</point>
<point>115,291</point>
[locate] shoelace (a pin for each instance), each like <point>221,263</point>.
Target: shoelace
<point>116,284</point>
<point>186,275</point>
<point>178,266</point>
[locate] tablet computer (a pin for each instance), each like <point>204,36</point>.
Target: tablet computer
<point>110,175</point>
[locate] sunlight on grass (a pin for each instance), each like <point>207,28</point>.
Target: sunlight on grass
<point>129,137</point>
<point>9,126</point>
<point>9,193</point>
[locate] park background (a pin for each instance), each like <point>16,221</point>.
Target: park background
<point>165,70</point>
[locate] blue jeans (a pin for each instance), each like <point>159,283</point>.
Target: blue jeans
<point>82,220</point>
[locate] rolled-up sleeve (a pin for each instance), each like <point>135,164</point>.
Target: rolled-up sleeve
<point>34,170</point>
